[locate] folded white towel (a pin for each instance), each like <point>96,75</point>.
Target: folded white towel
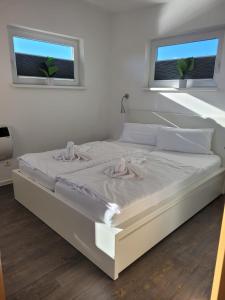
<point>123,169</point>
<point>71,153</point>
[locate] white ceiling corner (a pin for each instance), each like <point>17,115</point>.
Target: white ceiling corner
<point>124,5</point>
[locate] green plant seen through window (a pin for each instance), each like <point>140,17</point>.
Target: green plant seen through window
<point>48,67</point>
<point>184,66</point>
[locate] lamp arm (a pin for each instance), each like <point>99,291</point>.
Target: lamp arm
<point>126,96</point>
<point>122,111</point>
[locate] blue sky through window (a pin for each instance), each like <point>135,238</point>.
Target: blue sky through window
<point>192,49</point>
<point>40,48</point>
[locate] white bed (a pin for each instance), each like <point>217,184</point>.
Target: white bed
<point>44,169</point>
<point>165,174</point>
<point>66,210</point>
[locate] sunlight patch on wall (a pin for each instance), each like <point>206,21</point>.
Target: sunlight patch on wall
<point>198,106</point>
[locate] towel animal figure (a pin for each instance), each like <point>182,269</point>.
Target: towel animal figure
<point>71,153</point>
<point>124,169</point>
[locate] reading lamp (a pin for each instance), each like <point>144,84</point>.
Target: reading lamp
<point>125,97</point>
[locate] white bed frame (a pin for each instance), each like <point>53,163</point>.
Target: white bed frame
<point>113,249</point>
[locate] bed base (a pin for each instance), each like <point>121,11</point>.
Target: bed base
<point>114,249</point>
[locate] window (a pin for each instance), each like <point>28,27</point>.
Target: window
<point>194,58</point>
<point>42,58</point>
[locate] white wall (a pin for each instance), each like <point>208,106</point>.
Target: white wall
<point>47,118</point>
<point>114,63</point>
<point>132,30</point>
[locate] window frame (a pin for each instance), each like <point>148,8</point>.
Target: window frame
<point>201,35</point>
<point>39,35</point>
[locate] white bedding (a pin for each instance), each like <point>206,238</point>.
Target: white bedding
<point>43,168</point>
<point>164,174</point>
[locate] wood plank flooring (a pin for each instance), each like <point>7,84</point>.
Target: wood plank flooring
<point>39,264</point>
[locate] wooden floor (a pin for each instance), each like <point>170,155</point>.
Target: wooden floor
<point>39,264</point>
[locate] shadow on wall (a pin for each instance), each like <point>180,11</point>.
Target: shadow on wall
<point>172,14</point>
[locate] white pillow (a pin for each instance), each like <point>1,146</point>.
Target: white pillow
<point>137,133</point>
<point>185,140</point>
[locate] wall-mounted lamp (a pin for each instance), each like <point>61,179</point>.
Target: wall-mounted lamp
<point>125,97</point>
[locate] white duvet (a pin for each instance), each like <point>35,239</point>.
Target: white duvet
<point>99,152</point>
<point>163,173</point>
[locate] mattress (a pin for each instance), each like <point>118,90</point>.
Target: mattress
<point>44,169</point>
<point>36,175</point>
<point>114,201</point>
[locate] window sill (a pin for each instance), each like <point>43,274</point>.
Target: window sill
<point>39,86</point>
<point>181,90</point>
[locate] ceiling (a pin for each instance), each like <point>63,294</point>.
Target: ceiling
<point>123,5</point>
